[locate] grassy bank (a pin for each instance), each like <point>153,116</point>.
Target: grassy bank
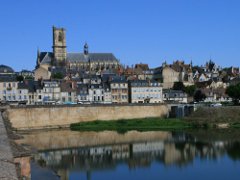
<point>210,117</point>
<point>203,118</point>
<point>146,124</point>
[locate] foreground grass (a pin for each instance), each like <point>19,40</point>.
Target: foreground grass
<point>146,124</point>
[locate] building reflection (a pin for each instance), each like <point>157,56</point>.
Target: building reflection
<point>23,166</point>
<point>90,159</point>
<point>107,150</point>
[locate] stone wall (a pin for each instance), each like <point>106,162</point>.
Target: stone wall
<point>7,166</point>
<point>32,117</point>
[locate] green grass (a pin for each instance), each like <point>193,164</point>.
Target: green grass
<point>146,124</point>
<point>235,125</point>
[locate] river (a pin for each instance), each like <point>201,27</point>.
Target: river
<point>65,154</point>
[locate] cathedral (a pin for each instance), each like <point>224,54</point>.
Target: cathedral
<point>59,58</point>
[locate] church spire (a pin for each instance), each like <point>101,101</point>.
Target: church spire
<point>38,58</point>
<point>85,49</point>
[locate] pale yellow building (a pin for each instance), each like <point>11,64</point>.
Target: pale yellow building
<point>119,90</point>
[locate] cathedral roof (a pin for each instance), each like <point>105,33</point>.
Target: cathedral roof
<point>46,57</point>
<point>72,57</point>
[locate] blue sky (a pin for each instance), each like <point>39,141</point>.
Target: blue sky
<point>147,31</point>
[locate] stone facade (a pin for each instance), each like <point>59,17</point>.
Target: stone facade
<point>59,45</point>
<point>169,77</point>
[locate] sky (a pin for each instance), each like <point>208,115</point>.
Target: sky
<point>135,31</point>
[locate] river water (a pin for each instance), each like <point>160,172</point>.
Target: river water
<point>111,155</point>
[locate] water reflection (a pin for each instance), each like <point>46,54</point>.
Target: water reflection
<point>97,152</point>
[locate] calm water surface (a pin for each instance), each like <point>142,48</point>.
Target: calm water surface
<point>135,155</point>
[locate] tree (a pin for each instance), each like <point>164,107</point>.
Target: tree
<point>178,86</point>
<point>233,91</point>
<point>29,77</point>
<point>190,90</point>
<point>20,78</point>
<point>199,96</point>
<point>57,75</point>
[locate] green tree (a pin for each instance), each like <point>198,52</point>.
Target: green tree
<point>29,77</point>
<point>57,75</point>
<point>233,91</point>
<point>178,86</point>
<point>190,90</point>
<point>20,78</point>
<point>199,96</point>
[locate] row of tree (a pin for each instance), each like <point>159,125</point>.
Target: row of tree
<point>232,91</point>
<point>192,91</point>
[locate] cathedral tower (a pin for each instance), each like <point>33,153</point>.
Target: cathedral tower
<point>59,46</point>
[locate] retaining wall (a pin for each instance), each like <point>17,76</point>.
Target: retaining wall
<point>40,117</point>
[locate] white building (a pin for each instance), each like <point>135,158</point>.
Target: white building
<point>51,92</point>
<point>96,93</point>
<point>174,96</point>
<point>142,91</point>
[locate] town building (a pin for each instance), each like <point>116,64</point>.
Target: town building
<point>68,92</point>
<point>142,91</point>
<point>6,70</point>
<point>177,72</point>
<point>26,74</point>
<point>23,93</point>
<point>107,94</point>
<point>82,94</point>
<point>175,96</point>
<point>119,91</point>
<point>51,92</point>
<point>96,93</point>
<point>8,89</point>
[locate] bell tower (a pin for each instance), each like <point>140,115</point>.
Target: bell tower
<point>59,46</point>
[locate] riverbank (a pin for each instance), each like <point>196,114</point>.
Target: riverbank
<point>146,124</point>
<point>219,117</point>
<point>203,118</point>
